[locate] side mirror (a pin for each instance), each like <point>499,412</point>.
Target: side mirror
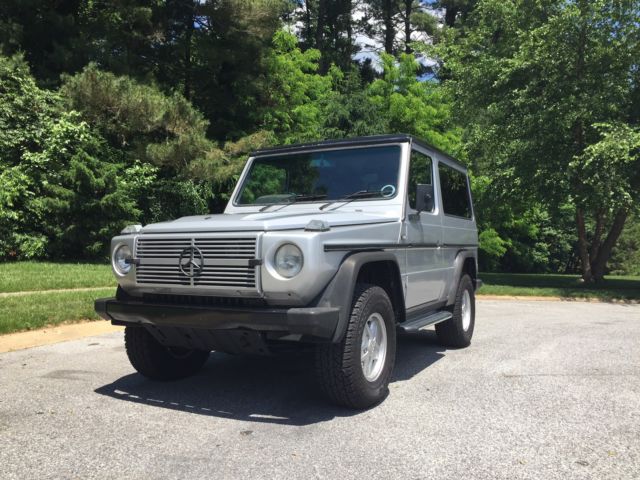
<point>424,197</point>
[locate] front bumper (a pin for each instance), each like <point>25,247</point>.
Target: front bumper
<point>313,322</point>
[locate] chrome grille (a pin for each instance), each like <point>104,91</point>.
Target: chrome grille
<point>226,261</point>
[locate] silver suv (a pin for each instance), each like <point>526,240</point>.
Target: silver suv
<point>337,244</point>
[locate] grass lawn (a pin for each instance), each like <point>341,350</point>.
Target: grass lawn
<point>547,285</point>
<point>30,276</point>
<point>39,309</point>
<point>36,310</point>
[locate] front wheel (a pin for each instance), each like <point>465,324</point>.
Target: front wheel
<point>355,373</point>
<point>157,362</point>
<point>458,330</point>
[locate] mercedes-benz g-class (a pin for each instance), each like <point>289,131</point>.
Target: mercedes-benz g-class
<point>336,244</point>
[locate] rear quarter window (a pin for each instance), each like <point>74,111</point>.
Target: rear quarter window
<point>456,198</point>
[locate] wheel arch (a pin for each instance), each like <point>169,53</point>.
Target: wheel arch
<point>376,267</point>
<point>466,262</point>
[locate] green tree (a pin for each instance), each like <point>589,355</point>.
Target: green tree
<point>384,20</point>
<point>60,189</point>
<point>293,91</point>
<point>455,11</point>
<point>122,36</point>
<point>532,81</point>
<point>49,34</point>
<point>416,19</point>
<point>521,236</point>
<point>26,112</point>
<point>80,201</point>
<point>608,175</point>
<point>625,258</point>
<point>221,68</point>
<point>328,27</point>
<point>412,106</point>
<point>348,110</point>
<point>139,119</point>
<point>222,167</point>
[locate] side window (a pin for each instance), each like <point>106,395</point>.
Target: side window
<point>420,171</point>
<point>455,192</point>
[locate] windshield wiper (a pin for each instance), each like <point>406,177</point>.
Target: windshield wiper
<point>295,199</point>
<point>353,196</point>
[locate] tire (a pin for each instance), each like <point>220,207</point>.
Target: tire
<point>339,366</point>
<point>157,362</point>
<point>456,332</point>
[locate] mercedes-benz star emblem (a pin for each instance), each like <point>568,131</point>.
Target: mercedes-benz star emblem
<point>191,262</point>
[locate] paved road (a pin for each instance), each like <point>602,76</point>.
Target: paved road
<point>547,390</point>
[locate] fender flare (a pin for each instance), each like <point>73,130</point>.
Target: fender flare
<point>339,291</point>
<point>458,263</point>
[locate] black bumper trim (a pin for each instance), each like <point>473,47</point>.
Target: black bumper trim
<point>319,322</point>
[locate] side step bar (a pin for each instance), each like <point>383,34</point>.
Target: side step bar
<point>421,322</point>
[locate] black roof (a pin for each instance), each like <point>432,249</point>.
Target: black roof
<point>355,141</point>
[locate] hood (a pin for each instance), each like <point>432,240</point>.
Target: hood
<point>267,221</point>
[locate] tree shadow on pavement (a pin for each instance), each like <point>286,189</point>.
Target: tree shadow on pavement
<point>279,389</point>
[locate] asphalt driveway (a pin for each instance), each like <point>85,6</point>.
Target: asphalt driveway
<point>547,390</point>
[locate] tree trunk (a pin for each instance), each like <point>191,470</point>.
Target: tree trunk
<point>408,7</point>
<point>450,15</point>
<point>320,26</point>
<point>188,38</point>
<point>308,26</point>
<point>349,25</point>
<point>578,135</point>
<point>599,265</point>
<point>583,249</point>
<point>597,236</point>
<point>389,30</point>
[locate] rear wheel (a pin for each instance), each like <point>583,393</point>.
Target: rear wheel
<point>157,362</point>
<point>356,372</point>
<point>458,330</point>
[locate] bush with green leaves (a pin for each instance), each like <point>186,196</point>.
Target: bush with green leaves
<point>81,201</point>
<point>61,194</point>
<point>138,119</point>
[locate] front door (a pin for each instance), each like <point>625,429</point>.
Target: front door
<point>425,273</point>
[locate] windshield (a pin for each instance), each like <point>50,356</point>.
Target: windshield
<point>368,172</point>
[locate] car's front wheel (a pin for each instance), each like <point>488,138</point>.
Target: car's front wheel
<point>356,371</point>
<point>157,362</point>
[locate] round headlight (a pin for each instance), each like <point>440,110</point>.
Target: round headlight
<point>288,260</point>
<point>121,257</point>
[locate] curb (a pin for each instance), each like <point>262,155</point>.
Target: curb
<point>534,298</point>
<point>50,335</point>
<point>54,290</point>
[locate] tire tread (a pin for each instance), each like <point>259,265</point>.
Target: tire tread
<point>153,360</point>
<point>334,367</point>
<point>450,333</point>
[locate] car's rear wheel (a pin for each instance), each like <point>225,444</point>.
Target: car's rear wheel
<point>356,371</point>
<point>157,362</point>
<point>458,330</point>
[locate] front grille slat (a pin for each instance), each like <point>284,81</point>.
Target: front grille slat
<point>193,300</point>
<point>225,262</point>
